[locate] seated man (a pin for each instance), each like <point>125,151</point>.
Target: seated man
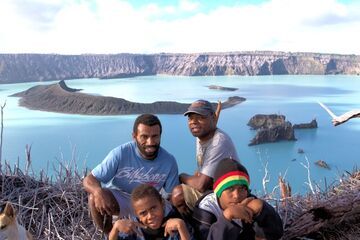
<point>127,166</point>
<point>230,212</point>
<point>212,145</point>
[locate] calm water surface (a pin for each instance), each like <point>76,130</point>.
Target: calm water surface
<point>61,137</point>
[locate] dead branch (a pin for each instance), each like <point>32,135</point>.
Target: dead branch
<point>318,215</point>
<point>307,167</point>
<point>1,132</point>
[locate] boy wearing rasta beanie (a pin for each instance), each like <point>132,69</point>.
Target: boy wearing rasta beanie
<point>230,212</point>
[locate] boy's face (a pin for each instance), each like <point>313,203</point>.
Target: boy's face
<point>233,195</point>
<point>150,211</point>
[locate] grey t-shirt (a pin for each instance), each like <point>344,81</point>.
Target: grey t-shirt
<point>209,154</point>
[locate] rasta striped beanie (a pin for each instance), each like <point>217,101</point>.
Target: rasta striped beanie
<point>228,173</point>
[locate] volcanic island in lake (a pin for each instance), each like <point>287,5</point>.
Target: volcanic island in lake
<point>60,98</point>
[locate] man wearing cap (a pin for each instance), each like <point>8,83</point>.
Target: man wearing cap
<point>212,145</point>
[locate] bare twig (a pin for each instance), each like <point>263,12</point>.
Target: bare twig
<point>1,132</point>
<point>266,178</point>
<point>307,167</point>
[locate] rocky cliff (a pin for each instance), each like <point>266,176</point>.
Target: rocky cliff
<point>271,128</point>
<point>60,98</point>
<point>45,67</point>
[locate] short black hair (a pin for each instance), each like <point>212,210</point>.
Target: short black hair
<point>148,120</point>
<point>143,191</point>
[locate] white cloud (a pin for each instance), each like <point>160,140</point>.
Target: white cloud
<point>187,5</point>
<point>115,26</point>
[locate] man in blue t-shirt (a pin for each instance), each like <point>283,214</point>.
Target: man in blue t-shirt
<point>141,161</point>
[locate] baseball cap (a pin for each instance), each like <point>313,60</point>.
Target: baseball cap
<point>201,107</point>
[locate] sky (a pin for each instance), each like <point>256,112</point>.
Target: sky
<point>179,26</point>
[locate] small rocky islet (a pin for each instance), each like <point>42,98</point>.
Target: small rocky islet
<point>273,128</point>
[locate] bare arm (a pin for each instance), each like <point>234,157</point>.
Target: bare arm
<point>200,181</point>
<point>346,117</point>
<point>91,184</point>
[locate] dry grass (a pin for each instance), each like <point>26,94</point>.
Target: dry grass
<point>57,208</point>
<point>49,209</point>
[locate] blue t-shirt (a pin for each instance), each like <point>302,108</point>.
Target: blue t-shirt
<point>124,168</point>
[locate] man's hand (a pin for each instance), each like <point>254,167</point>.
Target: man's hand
<point>103,203</point>
<point>199,181</point>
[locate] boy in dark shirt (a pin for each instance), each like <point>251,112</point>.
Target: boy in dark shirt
<point>154,219</point>
<point>230,212</point>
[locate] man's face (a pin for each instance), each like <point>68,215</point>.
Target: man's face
<point>201,126</point>
<point>150,211</point>
<point>232,196</point>
<point>148,140</point>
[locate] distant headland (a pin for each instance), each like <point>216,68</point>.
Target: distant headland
<point>16,68</point>
<point>60,98</point>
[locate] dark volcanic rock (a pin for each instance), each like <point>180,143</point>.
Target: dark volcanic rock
<point>274,134</point>
<point>271,128</point>
<point>60,98</point>
<point>312,124</point>
<point>48,67</point>
<point>323,164</point>
<point>266,121</point>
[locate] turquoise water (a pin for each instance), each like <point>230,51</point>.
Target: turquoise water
<point>87,139</point>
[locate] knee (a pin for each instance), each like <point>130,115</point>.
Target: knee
<point>177,193</point>
<point>178,201</point>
